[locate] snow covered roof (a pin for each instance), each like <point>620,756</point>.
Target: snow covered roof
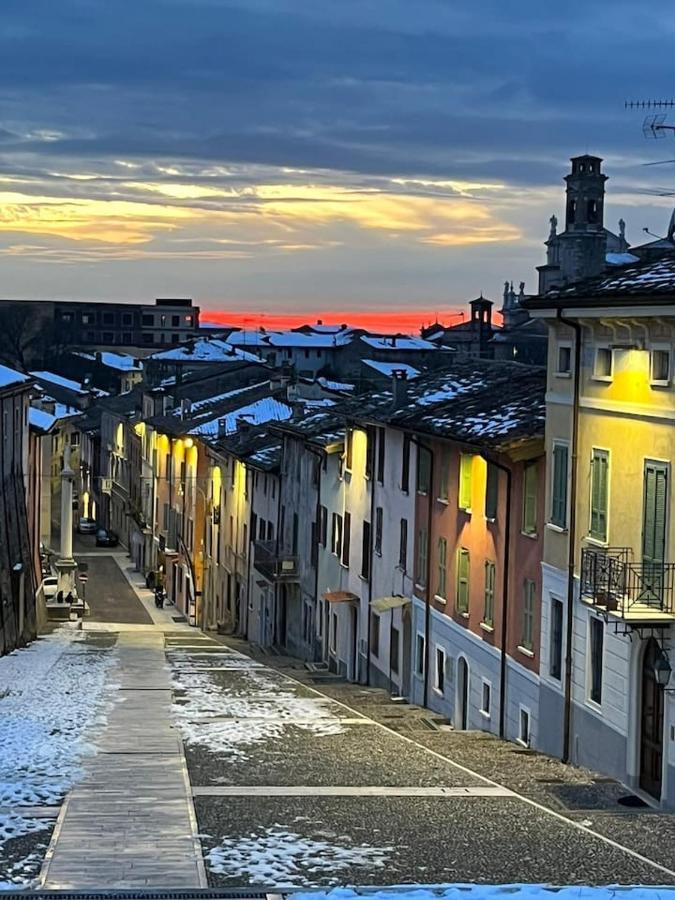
<point>655,281</point>
<point>59,381</point>
<point>120,361</point>
<point>44,419</point>
<point>300,339</point>
<point>620,259</point>
<point>322,428</point>
<point>10,377</point>
<point>204,350</point>
<point>388,368</point>
<point>320,328</point>
<point>335,385</point>
<point>398,342</point>
<point>248,339</point>
<point>267,409</point>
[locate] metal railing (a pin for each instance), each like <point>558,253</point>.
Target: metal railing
<point>611,579</point>
<point>272,562</point>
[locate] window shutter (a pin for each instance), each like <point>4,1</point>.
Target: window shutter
<point>654,517</point>
<point>465,465</point>
<point>346,539</point>
<point>530,499</point>
<point>491,491</point>
<point>559,499</point>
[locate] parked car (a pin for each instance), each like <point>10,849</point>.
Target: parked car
<point>87,525</point>
<point>49,586</point>
<point>106,538</point>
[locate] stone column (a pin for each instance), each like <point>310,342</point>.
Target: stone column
<point>66,565</point>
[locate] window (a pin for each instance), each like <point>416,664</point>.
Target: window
<point>486,699</point>
<point>380,454</point>
<point>462,603</point>
<point>559,486</point>
<point>107,337</point>
<point>365,551</point>
<point>422,553</point>
<point>244,540</point>
<point>527,638</point>
<point>444,475</point>
<point>394,650</point>
<point>442,567</point>
<point>465,464</point>
<point>108,318</point>
<point>148,320</point>
<point>564,366</point>
<point>148,338</point>
<point>88,318</point>
<point>349,448</point>
<point>491,492</point>
<point>602,368</point>
<point>346,539</point>
<point>375,634</point>
<point>323,525</point>
<point>423,471</point>
<point>165,517</point>
<point>599,490</point>
<point>270,531</point>
<point>530,480</point>
<point>654,512</point>
<point>405,464</point>
<point>489,609</point>
<point>596,638</point>
<point>439,675</point>
<point>378,530</point>
<point>555,648</point>
<point>524,731</point>
<point>403,545</point>
<point>419,655</point>
<point>336,535</point>
<point>370,452</point>
<point>262,529</point>
<point>126,319</point>
<point>660,367</point>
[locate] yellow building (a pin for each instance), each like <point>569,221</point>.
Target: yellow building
<point>608,608</point>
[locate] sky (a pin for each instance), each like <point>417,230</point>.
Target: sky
<point>315,158</point>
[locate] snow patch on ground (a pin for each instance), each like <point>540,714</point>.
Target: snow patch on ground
<point>493,892</point>
<point>226,720</point>
<point>281,858</point>
<point>52,694</point>
<point>24,873</point>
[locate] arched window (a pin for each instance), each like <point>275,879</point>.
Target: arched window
<point>592,209</point>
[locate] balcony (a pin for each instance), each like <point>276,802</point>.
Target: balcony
<point>630,591</point>
<point>273,563</point>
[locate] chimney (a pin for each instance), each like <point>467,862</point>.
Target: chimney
<point>185,408</point>
<point>399,387</point>
<point>222,428</point>
<point>244,425</point>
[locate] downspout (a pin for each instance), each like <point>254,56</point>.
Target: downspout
<point>567,719</point>
<point>249,549</point>
<point>277,537</point>
<point>427,612</point>
<point>317,518</point>
<point>373,481</point>
<point>505,595</point>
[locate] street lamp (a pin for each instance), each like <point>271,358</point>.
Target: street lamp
<point>662,670</point>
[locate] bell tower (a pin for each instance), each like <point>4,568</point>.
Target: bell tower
<point>585,195</point>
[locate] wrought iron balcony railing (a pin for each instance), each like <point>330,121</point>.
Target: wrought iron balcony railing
<point>613,582</point>
<point>273,563</point>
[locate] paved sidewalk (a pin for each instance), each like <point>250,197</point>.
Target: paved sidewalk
<point>130,821</point>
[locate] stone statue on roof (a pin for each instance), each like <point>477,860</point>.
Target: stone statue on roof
<point>554,226</point>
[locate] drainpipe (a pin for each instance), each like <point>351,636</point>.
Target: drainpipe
<point>249,548</point>
<point>373,480</point>
<point>567,718</point>
<point>505,595</point>
<point>319,454</point>
<point>277,538</point>
<point>427,612</point>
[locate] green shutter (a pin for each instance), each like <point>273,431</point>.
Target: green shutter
<point>465,464</point>
<point>599,494</point>
<point>559,498</point>
<point>530,499</point>
<point>462,580</point>
<point>654,514</point>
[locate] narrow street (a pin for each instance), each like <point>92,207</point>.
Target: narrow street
<point>141,753</point>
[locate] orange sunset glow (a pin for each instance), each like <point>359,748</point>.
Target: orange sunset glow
<point>409,322</point>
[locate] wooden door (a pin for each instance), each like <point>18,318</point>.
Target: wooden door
<point>651,724</point>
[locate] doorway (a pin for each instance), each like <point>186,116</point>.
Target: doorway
<point>651,723</point>
<point>462,704</point>
<point>354,667</point>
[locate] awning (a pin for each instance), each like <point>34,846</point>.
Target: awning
<point>382,604</point>
<point>340,596</point>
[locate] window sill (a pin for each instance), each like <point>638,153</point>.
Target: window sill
<point>364,578</point>
<point>558,529</point>
<point>484,713</point>
<point>532,535</point>
<point>463,615</point>
<point>596,542</point>
<point>491,519</point>
<point>526,652</point>
<point>465,509</point>
<point>438,692</point>
<point>442,500</point>
<point>563,374</point>
<point>486,627</point>
<point>378,552</point>
<point>602,379</point>
<point>439,599</point>
<point>594,705</point>
<point>659,384</point>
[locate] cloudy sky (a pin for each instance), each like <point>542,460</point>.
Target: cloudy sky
<point>314,156</point>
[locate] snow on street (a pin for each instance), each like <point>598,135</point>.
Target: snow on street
<point>53,698</point>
